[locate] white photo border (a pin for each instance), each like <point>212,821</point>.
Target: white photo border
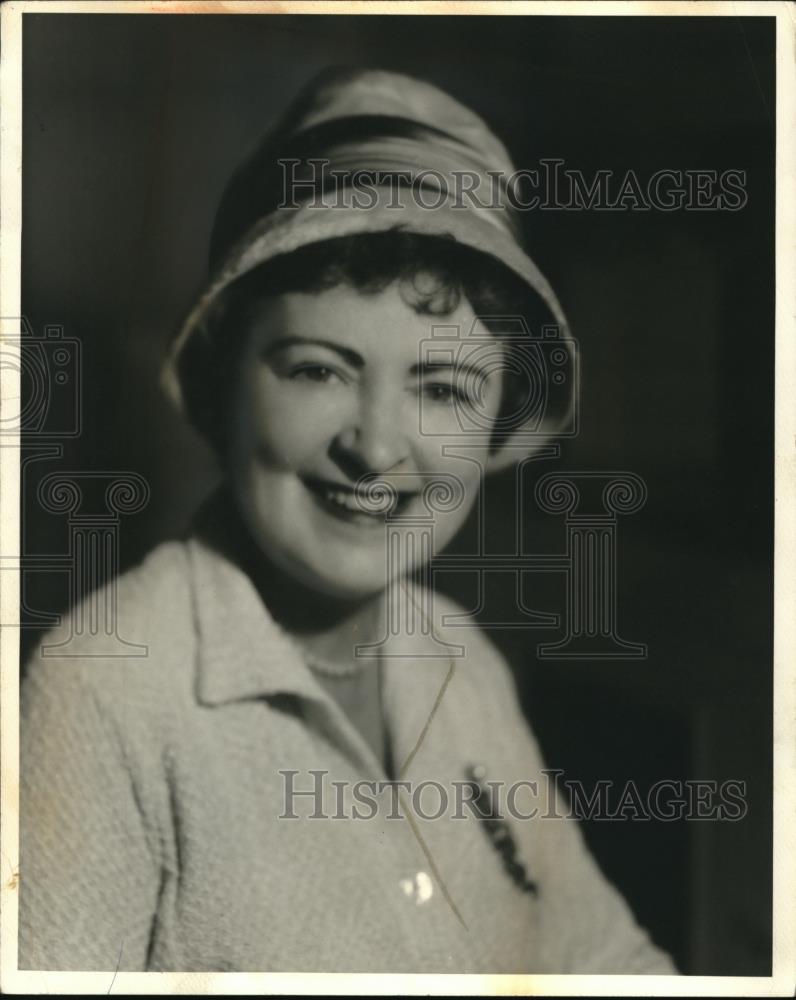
<point>782,982</point>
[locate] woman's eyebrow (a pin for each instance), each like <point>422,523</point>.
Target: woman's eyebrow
<point>352,357</point>
<point>432,367</point>
<point>357,361</point>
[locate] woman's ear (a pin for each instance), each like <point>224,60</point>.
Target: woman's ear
<point>540,401</point>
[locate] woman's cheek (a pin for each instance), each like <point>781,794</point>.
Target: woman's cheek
<point>291,428</point>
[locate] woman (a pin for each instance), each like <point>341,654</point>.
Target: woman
<point>305,773</point>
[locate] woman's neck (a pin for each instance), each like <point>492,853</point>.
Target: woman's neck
<point>327,627</point>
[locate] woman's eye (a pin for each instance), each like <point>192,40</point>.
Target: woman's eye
<point>439,393</point>
<point>442,392</point>
<point>312,373</point>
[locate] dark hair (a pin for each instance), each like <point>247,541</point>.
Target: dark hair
<point>369,263</point>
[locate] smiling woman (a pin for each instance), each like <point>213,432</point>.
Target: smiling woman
<point>323,392</point>
<point>358,372</point>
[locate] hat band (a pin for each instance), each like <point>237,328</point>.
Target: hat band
<point>417,162</point>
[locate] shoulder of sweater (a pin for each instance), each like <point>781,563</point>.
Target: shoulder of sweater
<point>128,637</point>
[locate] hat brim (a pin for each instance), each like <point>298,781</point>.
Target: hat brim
<point>288,229</point>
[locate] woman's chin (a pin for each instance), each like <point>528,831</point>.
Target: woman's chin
<point>337,576</point>
<point>343,585</point>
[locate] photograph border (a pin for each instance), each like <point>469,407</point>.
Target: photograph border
<point>782,982</point>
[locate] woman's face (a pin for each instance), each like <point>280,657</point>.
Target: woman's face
<point>331,388</point>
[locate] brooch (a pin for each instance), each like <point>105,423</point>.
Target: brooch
<point>498,830</point>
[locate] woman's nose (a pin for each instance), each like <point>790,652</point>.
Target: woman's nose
<point>374,441</point>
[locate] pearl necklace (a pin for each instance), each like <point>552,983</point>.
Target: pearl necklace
<point>329,668</point>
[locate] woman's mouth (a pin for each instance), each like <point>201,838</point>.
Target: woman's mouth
<point>368,507</point>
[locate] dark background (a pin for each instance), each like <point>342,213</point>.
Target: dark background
<point>131,127</point>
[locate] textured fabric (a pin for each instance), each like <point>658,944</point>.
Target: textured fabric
<point>150,791</point>
<point>385,125</point>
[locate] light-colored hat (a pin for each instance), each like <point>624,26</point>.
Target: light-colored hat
<point>389,126</point>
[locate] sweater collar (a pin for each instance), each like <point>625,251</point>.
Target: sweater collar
<point>242,651</point>
<point>244,654</point>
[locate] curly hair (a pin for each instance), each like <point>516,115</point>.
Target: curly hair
<point>433,275</point>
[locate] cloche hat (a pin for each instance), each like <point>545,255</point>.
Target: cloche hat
<point>364,151</point>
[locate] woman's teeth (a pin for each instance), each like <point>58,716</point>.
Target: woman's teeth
<point>369,506</point>
<point>344,499</point>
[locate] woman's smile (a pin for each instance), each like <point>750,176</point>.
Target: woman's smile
<point>327,447</point>
<point>367,507</point>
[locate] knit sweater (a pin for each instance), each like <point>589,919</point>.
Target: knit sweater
<point>156,793</point>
